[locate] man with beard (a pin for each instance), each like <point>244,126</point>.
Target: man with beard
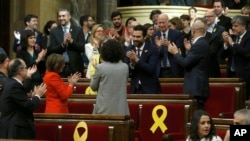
<point>67,39</point>
<point>86,22</point>
<point>118,30</point>
<point>142,60</point>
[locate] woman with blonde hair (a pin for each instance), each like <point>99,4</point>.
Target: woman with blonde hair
<point>92,47</point>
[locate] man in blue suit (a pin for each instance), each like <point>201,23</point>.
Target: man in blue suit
<point>237,49</point>
<point>167,65</point>
<point>142,59</point>
<point>195,63</point>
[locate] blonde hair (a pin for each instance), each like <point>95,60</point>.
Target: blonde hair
<point>93,31</point>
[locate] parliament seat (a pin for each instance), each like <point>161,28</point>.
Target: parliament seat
<point>46,131</point>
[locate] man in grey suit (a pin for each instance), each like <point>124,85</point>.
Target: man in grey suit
<point>195,63</point>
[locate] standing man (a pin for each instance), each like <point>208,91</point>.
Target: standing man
<point>167,65</point>
<point>154,16</point>
<point>67,39</point>
<point>86,22</point>
<point>222,19</point>
<point>195,63</point>
<point>142,60</point>
<point>17,121</point>
<point>237,49</point>
<point>118,30</point>
<point>30,22</point>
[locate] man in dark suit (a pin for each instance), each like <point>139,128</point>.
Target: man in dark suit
<point>31,22</point>
<point>17,121</point>
<point>222,19</point>
<point>142,59</point>
<point>167,65</point>
<point>237,49</point>
<point>67,39</point>
<point>195,63</point>
<point>213,35</point>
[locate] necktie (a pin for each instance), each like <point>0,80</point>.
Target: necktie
<point>238,40</point>
<point>138,52</point>
<point>65,53</point>
<point>164,35</point>
<point>165,52</point>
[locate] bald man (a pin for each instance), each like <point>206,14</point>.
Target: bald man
<point>167,66</point>
<point>195,63</point>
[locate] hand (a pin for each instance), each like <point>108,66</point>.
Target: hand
<point>165,42</point>
<point>158,42</point>
<point>187,44</point>
<point>40,90</point>
<point>127,37</point>
<point>17,35</point>
<point>72,79</point>
<point>41,55</point>
<point>132,56</point>
<point>31,70</point>
<point>172,48</point>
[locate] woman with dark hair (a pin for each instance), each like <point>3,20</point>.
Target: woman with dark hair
<point>129,20</point>
<point>46,31</point>
<point>202,128</point>
<point>58,92</point>
<point>110,80</point>
<point>150,31</point>
<point>31,56</point>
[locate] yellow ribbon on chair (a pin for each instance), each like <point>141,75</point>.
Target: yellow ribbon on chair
<point>84,136</point>
<point>89,91</point>
<point>159,121</point>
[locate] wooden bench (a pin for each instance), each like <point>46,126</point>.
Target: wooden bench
<point>138,106</point>
<point>120,127</point>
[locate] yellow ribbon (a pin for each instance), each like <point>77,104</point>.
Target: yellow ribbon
<point>89,91</point>
<point>84,136</point>
<point>159,121</point>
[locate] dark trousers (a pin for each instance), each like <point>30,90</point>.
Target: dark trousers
<point>165,72</point>
<point>66,71</point>
<point>200,102</point>
<point>138,89</point>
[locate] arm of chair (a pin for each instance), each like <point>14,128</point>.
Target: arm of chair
<point>226,115</point>
<point>176,136</point>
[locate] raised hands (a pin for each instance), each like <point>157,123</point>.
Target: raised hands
<point>72,79</point>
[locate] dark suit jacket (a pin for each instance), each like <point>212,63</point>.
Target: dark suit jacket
<point>225,22</point>
<point>176,37</point>
<point>196,68</point>
<point>215,42</point>
<point>31,60</point>
<point>17,121</point>
<point>74,50</point>
<point>145,70</point>
<point>16,45</point>
<point>242,55</point>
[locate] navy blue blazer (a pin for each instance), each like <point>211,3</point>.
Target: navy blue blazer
<point>196,69</point>
<point>74,50</point>
<point>145,70</point>
<point>17,121</point>
<point>176,37</point>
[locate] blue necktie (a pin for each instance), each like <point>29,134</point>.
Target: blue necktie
<point>65,53</point>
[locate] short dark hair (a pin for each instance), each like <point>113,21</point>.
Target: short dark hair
<point>153,12</point>
<point>141,28</point>
<point>112,51</point>
<point>195,123</point>
<point>115,14</point>
<point>84,18</point>
<point>28,18</point>
<point>2,58</point>
<point>185,17</point>
<point>221,1</point>
<point>47,26</point>
<point>147,26</point>
<point>14,67</point>
<point>24,38</point>
<point>54,62</point>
